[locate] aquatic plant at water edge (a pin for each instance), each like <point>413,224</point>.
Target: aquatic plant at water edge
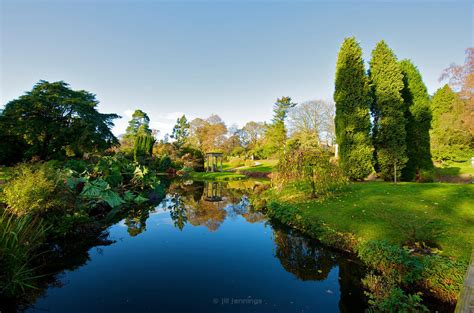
<point>20,238</point>
<point>385,296</point>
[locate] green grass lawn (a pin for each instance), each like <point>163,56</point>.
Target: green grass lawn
<point>455,169</point>
<point>439,213</point>
<point>262,166</point>
<point>217,176</point>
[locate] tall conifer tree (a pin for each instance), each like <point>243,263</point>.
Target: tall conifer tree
<point>418,119</point>
<point>352,97</point>
<point>388,109</point>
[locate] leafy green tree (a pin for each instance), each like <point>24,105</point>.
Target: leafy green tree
<point>418,121</point>
<point>12,147</point>
<point>140,123</point>
<point>352,97</point>
<point>450,139</point>
<point>180,132</point>
<point>388,109</point>
<point>207,135</point>
<point>276,132</point>
<point>52,121</point>
<point>461,80</point>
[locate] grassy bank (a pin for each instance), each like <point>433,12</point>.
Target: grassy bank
<point>456,172</point>
<point>375,220</point>
<point>261,166</point>
<point>237,173</point>
<point>219,176</point>
<point>439,214</point>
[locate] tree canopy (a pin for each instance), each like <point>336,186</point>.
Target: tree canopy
<point>180,132</point>
<point>52,120</point>
<point>352,97</point>
<point>140,123</point>
<point>450,140</point>
<point>314,116</point>
<point>388,109</point>
<point>276,132</point>
<point>207,135</point>
<point>418,121</point>
<point>461,80</point>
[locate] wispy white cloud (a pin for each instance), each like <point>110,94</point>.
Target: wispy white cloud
<point>164,122</point>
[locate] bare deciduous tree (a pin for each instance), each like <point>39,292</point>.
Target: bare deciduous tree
<point>316,117</point>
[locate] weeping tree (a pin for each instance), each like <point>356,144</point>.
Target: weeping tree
<point>304,161</point>
<point>143,146</point>
<point>352,97</point>
<point>388,110</point>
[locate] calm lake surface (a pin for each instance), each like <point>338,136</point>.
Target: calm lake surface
<point>203,249</point>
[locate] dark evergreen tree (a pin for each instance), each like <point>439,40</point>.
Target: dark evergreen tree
<point>143,147</point>
<point>275,134</point>
<point>352,97</point>
<point>389,134</point>
<point>53,121</point>
<point>180,132</point>
<point>450,139</point>
<point>418,121</point>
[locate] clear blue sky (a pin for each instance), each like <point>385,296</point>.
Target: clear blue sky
<point>233,58</point>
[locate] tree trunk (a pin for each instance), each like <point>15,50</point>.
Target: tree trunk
<point>395,170</point>
<point>313,185</point>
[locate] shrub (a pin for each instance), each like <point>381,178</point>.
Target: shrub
<point>35,190</point>
<point>76,165</point>
<point>164,163</point>
<point>443,277</point>
<point>100,191</point>
<point>384,296</point>
<point>191,157</point>
<point>113,169</point>
<point>425,176</point>
<point>394,262</point>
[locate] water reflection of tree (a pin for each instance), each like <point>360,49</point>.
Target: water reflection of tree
<point>254,216</point>
<point>209,214</point>
<point>352,298</point>
<point>301,258</point>
<point>308,260</point>
<point>177,211</point>
<point>209,203</point>
<point>136,219</point>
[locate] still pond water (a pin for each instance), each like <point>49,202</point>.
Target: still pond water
<point>203,249</point>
